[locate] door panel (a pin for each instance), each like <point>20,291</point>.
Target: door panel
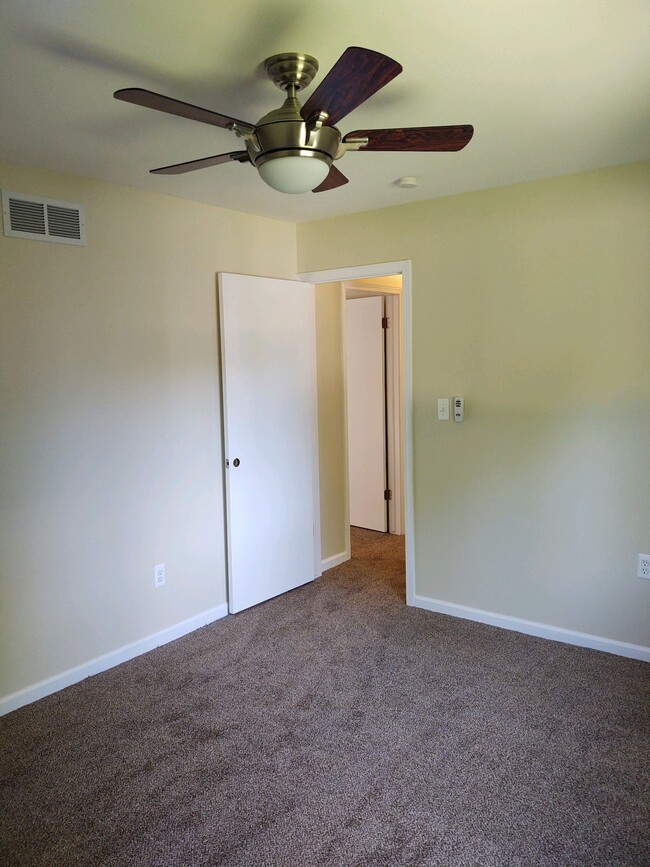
<point>366,412</point>
<point>269,397</point>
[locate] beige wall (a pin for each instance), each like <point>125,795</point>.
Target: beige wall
<point>332,433</point>
<point>532,301</point>
<point>110,425</point>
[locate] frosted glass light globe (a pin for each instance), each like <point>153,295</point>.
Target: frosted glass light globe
<point>294,174</point>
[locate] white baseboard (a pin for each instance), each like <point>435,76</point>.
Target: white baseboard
<point>335,560</point>
<point>529,627</point>
<point>109,660</point>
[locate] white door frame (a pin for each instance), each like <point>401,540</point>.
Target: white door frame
<point>394,412</point>
<point>385,269</point>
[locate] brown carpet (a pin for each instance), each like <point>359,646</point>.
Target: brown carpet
<point>336,726</point>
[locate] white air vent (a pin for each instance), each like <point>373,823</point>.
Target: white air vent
<point>42,219</point>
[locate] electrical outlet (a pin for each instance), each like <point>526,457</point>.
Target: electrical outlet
<point>643,570</point>
<point>159,575</point>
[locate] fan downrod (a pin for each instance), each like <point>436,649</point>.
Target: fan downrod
<point>291,70</point>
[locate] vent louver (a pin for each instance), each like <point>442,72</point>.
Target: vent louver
<point>63,222</point>
<point>27,216</point>
<point>42,219</point>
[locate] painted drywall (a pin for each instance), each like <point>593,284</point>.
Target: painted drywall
<point>532,302</point>
<point>331,419</point>
<point>110,424</point>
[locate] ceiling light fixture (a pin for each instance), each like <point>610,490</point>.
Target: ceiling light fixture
<point>293,173</point>
<point>292,154</point>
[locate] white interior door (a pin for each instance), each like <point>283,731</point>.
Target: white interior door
<point>268,368</point>
<point>366,412</point>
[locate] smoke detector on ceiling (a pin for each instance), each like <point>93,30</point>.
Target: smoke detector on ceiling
<point>407,182</point>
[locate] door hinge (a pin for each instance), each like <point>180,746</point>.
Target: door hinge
<point>385,322</point>
<point>388,495</point>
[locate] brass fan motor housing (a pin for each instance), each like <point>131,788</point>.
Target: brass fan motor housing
<point>284,132</point>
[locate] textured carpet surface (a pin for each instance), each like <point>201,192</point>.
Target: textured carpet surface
<point>336,726</point>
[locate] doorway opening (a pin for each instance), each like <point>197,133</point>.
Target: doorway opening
<point>391,282</point>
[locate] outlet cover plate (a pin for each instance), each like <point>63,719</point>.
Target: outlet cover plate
<point>643,570</point>
<point>159,575</point>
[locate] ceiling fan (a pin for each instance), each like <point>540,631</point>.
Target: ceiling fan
<point>293,147</point>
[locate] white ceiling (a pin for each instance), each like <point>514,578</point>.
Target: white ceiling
<point>551,86</point>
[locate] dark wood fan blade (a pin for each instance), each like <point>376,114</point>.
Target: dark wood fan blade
<point>356,75</point>
<point>149,99</point>
<point>334,179</point>
<point>205,163</point>
<point>417,138</point>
